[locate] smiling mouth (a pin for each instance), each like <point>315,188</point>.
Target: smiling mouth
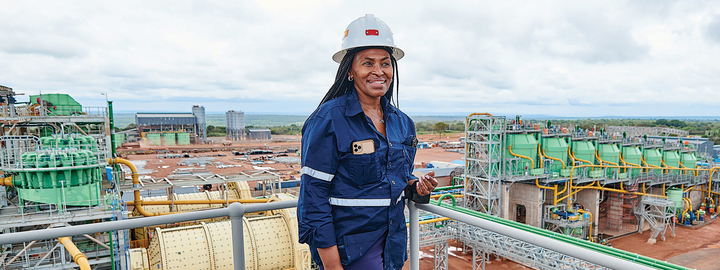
<point>377,83</point>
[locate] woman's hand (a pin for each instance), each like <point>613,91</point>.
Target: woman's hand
<point>330,258</point>
<point>426,184</point>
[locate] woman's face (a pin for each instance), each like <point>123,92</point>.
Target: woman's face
<point>372,72</point>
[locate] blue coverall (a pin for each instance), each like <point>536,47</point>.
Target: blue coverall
<point>350,199</point>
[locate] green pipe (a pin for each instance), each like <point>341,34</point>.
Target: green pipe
<point>112,129</point>
<point>567,239</point>
<point>116,167</point>
<point>112,251</point>
<point>610,251</point>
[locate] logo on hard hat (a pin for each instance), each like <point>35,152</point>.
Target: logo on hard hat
<point>372,32</point>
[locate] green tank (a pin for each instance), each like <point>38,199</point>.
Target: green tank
<point>556,148</point>
<point>584,150</point>
<point>675,195</point>
<point>61,172</point>
<point>522,144</point>
<point>652,156</point>
<point>689,160</point>
<point>610,153</point>
<point>632,154</point>
<point>671,158</point>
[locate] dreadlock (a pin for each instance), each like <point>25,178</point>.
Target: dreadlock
<point>342,86</point>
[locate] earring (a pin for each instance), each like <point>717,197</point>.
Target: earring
<point>350,78</point>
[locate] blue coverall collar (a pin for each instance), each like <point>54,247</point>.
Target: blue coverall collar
<point>354,108</point>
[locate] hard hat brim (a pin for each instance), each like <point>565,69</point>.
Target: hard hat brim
<point>397,52</point>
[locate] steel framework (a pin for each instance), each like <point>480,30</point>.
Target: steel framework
<point>659,214</point>
<point>485,137</point>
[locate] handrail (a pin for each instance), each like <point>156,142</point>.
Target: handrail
<point>235,211</point>
<point>581,249</point>
<point>183,202</point>
<point>532,163</point>
<point>563,162</point>
<point>590,252</point>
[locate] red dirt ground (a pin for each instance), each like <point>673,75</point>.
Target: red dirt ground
<point>696,248</point>
<point>691,247</point>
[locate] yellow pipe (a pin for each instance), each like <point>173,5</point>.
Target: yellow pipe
<point>578,159</point>
<point>628,163</point>
<point>472,114</point>
<point>646,164</point>
<point>689,208</point>
<point>6,181</point>
<point>667,166</point>
<point>563,162</point>
<point>712,171</point>
<point>136,182</point>
<point>592,221</point>
<point>532,163</point>
<point>438,196</point>
<point>540,157</point>
<point>571,156</point>
<point>179,202</point>
<point>579,188</point>
<point>433,220</point>
<point>77,256</point>
<point>597,156</point>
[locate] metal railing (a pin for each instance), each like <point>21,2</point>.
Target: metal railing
<point>548,243</point>
<point>27,111</point>
<point>235,211</point>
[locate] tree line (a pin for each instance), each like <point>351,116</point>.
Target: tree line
<point>706,128</point>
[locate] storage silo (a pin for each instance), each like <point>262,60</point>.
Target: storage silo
<point>235,125</point>
<point>200,126</point>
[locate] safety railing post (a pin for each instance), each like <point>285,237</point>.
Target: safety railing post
<point>414,236</point>
<point>236,212</point>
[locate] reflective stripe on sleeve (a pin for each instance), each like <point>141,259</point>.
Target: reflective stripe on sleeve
<point>317,174</point>
<point>359,202</point>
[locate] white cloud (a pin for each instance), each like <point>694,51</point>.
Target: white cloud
<point>545,57</point>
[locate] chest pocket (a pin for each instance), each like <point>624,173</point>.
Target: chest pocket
<point>409,153</point>
<point>364,168</point>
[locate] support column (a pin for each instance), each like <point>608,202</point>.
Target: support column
<point>479,258</point>
<point>441,255</point>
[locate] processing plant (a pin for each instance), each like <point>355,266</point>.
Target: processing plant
<point>564,184</point>
<point>589,184</point>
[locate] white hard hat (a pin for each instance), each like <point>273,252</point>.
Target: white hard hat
<point>367,31</point>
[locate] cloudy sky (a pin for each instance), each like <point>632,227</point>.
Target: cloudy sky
<point>559,58</point>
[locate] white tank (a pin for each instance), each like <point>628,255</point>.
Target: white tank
<point>200,126</point>
<point>235,125</point>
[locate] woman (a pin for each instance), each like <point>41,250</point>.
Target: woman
<point>357,157</point>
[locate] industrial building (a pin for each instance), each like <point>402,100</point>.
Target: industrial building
<point>235,125</point>
<point>172,128</point>
<point>258,134</point>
